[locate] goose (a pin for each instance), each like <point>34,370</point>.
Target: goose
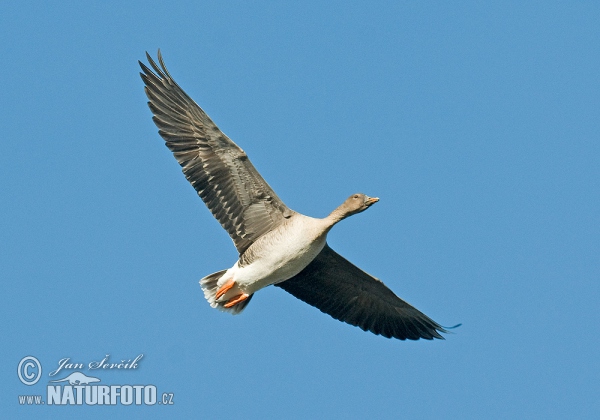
<point>276,245</point>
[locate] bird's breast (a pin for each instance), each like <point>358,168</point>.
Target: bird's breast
<point>281,253</point>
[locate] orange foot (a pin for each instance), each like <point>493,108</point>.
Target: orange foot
<point>223,289</point>
<point>236,299</point>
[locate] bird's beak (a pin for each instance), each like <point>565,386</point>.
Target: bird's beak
<point>371,200</point>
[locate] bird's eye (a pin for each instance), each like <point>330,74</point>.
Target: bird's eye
<point>355,196</point>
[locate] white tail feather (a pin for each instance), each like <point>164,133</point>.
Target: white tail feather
<point>209,286</point>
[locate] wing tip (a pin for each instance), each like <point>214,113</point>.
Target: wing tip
<point>437,329</point>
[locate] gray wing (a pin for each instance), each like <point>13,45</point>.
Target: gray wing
<point>338,288</point>
<point>217,168</point>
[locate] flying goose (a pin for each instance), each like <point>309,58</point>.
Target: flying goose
<point>276,245</point>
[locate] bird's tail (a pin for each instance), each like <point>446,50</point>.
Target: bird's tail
<point>209,286</point>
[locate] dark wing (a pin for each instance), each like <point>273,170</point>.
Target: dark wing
<point>337,287</point>
<point>217,168</point>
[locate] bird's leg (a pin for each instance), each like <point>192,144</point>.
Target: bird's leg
<point>236,299</point>
<point>225,288</point>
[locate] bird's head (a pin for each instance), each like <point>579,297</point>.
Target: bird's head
<point>357,203</point>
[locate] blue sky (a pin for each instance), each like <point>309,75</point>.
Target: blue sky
<point>476,124</point>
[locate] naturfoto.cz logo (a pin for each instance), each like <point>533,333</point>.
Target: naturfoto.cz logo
<point>77,388</point>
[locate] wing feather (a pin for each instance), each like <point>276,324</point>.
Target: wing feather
<point>220,172</point>
<point>339,288</point>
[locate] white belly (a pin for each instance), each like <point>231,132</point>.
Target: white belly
<point>280,256</point>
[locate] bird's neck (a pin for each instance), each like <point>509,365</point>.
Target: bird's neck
<point>336,216</point>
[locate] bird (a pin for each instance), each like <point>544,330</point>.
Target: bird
<point>276,245</point>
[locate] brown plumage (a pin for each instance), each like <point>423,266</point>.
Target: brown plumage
<point>259,223</point>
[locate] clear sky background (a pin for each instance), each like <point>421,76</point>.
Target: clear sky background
<point>477,125</point>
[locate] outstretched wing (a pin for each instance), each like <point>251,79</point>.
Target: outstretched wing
<point>337,287</point>
<point>217,168</point>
